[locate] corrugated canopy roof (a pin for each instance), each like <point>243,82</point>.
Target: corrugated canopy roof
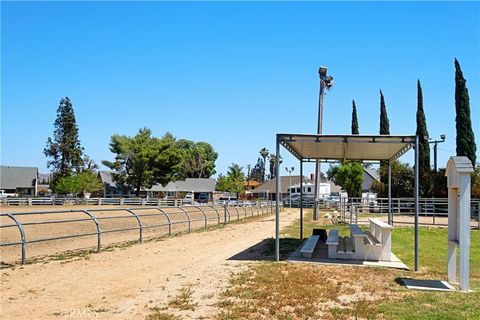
<point>312,147</point>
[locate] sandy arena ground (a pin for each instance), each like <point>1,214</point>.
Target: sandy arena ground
<point>125,283</point>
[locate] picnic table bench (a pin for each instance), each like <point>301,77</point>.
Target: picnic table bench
<point>374,244</point>
<point>309,246</point>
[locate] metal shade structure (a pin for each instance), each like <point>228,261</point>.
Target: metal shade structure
<point>334,148</point>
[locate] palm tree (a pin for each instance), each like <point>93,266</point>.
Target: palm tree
<point>264,153</point>
<point>236,178</point>
<point>272,159</point>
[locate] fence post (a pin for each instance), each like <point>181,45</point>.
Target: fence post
<point>218,214</point>
<point>22,237</point>
<point>189,219</point>
<point>204,215</point>
<point>225,213</point>
<point>139,224</point>
<point>168,219</point>
<point>99,231</point>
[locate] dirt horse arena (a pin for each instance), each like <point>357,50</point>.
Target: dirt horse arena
<point>128,282</point>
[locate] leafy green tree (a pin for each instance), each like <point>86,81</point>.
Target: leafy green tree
<point>64,148</point>
<point>66,185</point>
<point>197,159</point>
<point>384,122</point>
<point>143,160</point>
<point>465,138</point>
<point>476,182</point>
<point>402,181</point>
<point>354,119</point>
<point>233,181</point>
<point>349,175</point>
<point>424,146</point>
<point>78,183</point>
<point>87,182</point>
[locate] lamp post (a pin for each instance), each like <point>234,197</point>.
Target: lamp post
<point>326,82</point>
<point>435,143</point>
<point>290,170</point>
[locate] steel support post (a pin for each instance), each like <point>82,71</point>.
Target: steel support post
<point>301,200</point>
<point>277,201</point>
<point>416,203</point>
<point>390,214</point>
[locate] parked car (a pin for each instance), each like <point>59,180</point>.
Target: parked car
<point>188,198</point>
<point>4,194</point>
<point>227,201</point>
<point>202,197</point>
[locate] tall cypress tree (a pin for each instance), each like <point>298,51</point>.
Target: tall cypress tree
<point>384,129</point>
<point>465,138</point>
<point>64,148</point>
<point>384,123</point>
<point>424,147</point>
<point>354,119</point>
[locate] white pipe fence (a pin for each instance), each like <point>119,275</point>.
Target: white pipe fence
<point>186,218</point>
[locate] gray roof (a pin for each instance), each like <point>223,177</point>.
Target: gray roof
<point>190,184</point>
<point>372,173</point>
<point>106,177</point>
<point>17,177</point>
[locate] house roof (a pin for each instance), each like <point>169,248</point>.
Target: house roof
<point>313,147</point>
<point>17,177</point>
<point>106,177</point>
<point>188,185</point>
<point>372,173</point>
<point>251,183</point>
<point>284,184</point>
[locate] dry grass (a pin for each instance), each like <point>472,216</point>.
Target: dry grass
<point>303,291</point>
<point>183,301</point>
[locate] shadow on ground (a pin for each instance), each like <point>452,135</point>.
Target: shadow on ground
<point>265,250</point>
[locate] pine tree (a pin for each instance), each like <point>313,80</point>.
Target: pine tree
<point>465,138</point>
<point>424,147</point>
<point>354,119</point>
<point>384,123</point>
<point>64,148</point>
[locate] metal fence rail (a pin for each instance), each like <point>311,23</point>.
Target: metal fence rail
<point>25,201</point>
<point>205,215</point>
<point>428,207</point>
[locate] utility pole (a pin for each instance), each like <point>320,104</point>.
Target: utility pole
<point>435,143</point>
<point>290,170</point>
<point>326,82</point>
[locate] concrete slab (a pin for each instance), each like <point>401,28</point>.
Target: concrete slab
<point>430,285</point>
<point>320,256</point>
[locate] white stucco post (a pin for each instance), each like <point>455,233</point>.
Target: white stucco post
<point>458,182</point>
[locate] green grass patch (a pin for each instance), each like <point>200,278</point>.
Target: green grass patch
<point>305,291</point>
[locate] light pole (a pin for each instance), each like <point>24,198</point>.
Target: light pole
<point>436,142</point>
<point>290,170</point>
<point>326,82</point>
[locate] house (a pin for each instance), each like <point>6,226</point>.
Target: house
<point>174,189</point>
<point>110,188</point>
<point>249,186</point>
<point>369,176</point>
<point>267,189</point>
<point>178,189</point>
<point>20,180</point>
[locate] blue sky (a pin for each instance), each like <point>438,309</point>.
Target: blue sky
<point>231,74</point>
